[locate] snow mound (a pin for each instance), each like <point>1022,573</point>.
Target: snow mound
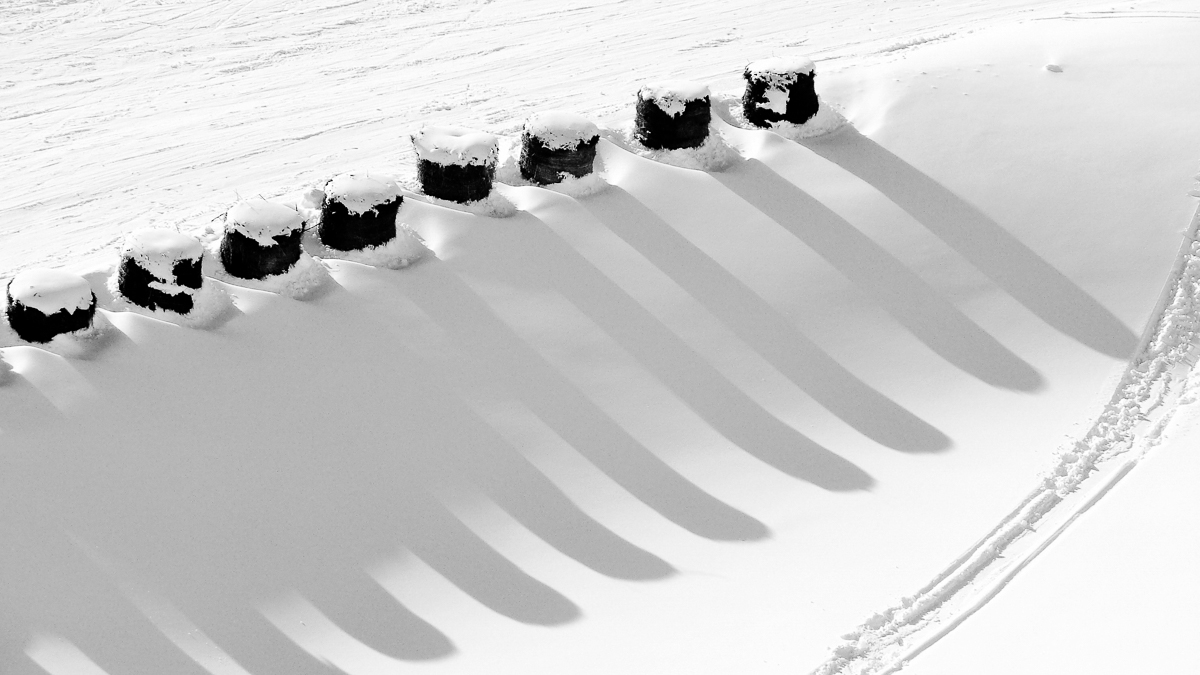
<point>559,130</point>
<point>715,154</point>
<point>406,248</point>
<point>495,205</point>
<point>827,120</point>
<point>454,146</point>
<point>305,279</point>
<point>211,304</point>
<point>359,192</point>
<point>262,220</point>
<point>672,96</point>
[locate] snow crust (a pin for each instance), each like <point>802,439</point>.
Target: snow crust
<point>361,192</point>
<point>672,96</point>
<point>157,250</point>
<point>50,291</point>
<point>558,129</point>
<point>455,146</point>
<point>261,220</point>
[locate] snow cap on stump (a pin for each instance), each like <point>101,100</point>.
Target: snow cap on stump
<point>261,239</point>
<point>780,89</point>
<point>359,211</point>
<point>43,304</point>
<point>672,114</point>
<point>555,143</point>
<point>455,163</point>
<point>160,269</point>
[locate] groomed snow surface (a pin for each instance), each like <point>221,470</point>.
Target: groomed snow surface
<point>695,422</point>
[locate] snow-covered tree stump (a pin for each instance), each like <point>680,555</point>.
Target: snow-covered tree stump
<point>780,90</point>
<point>261,239</point>
<point>555,144</point>
<point>160,269</point>
<point>359,210</point>
<point>43,304</point>
<point>456,164</point>
<point>672,115</point>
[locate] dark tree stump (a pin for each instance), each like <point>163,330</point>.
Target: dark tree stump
<point>672,116</point>
<point>160,257</point>
<point>248,226</point>
<point>557,144</point>
<point>780,90</point>
<point>456,164</point>
<point>43,304</point>
<point>359,210</point>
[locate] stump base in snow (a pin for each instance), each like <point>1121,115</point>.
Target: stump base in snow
<point>261,239</point>
<point>672,116</point>
<point>454,182</point>
<point>43,304</point>
<point>359,211</point>
<point>456,164</point>
<point>557,144</point>
<point>780,90</point>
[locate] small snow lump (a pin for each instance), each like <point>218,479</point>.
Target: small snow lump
<point>43,304</point>
<point>780,90</point>
<point>261,239</point>
<point>359,211</point>
<point>555,144</point>
<point>456,164</point>
<point>672,115</point>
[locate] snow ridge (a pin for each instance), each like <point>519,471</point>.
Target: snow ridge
<point>1146,396</point>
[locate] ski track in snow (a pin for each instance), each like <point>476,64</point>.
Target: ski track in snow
<point>1159,379</point>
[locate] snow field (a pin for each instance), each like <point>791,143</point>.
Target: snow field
<point>764,395</point>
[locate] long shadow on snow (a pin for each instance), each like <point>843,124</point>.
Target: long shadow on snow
<point>920,309</point>
<point>216,513</point>
<point>1011,264</point>
<point>524,251</point>
<point>763,328</point>
<point>505,359</point>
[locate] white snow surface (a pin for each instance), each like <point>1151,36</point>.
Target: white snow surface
<point>262,220</point>
<point>558,129</point>
<point>157,250</point>
<point>361,192</point>
<point>697,422</point>
<point>672,96</point>
<point>455,146</point>
<point>50,291</point>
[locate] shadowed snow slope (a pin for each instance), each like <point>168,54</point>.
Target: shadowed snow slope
<point>691,423</point>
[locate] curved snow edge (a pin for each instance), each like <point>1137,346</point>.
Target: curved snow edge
<point>1147,395</point>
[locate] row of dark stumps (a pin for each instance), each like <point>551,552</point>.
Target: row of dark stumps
<point>161,269</point>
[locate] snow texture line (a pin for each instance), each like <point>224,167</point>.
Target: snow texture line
<point>887,641</point>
